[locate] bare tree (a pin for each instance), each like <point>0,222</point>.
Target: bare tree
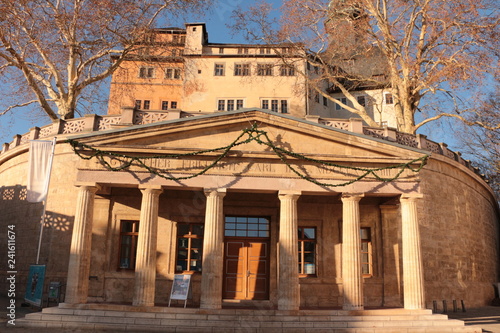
<point>483,146</point>
<point>51,51</point>
<point>420,51</point>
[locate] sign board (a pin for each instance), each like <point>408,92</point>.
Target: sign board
<point>180,288</point>
<point>34,289</point>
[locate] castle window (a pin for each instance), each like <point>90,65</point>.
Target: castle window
<point>146,105</point>
<point>287,70</point>
<point>325,101</point>
<point>361,100</point>
<point>242,69</point>
<point>230,104</point>
<point>275,105</point>
<point>284,106</point>
<point>146,72</point>
<point>265,104</point>
<point>173,73</point>
<point>343,100</point>
<point>189,247</point>
<point>129,233</point>
<point>221,105</point>
<point>239,104</point>
<point>219,70</point>
<point>173,105</point>
<point>164,105</point>
<point>389,99</point>
<point>307,251</point>
<point>221,50</point>
<point>264,69</point>
<point>138,104</point>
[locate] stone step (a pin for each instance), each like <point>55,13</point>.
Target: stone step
<point>159,319</point>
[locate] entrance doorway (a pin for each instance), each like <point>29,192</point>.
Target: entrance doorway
<point>246,258</point>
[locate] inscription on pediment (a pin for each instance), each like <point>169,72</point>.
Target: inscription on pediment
<point>243,167</point>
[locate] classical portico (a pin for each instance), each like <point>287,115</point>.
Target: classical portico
<point>249,229</point>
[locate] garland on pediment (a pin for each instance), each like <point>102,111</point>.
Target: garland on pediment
<point>248,135</point>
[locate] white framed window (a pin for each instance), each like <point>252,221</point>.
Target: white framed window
<point>284,106</point>
<point>164,105</point>
<point>173,105</point>
<point>239,104</point>
<point>264,69</point>
<point>229,104</point>
<point>242,69</point>
<point>219,69</point>
<point>275,104</point>
<point>146,72</point>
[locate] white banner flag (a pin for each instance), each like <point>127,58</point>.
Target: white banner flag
<point>39,165</point>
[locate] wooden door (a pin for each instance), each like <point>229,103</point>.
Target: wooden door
<point>246,270</point>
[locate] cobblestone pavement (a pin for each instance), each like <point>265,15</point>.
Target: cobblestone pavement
<point>488,318</point>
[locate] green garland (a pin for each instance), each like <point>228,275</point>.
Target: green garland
<point>252,134</point>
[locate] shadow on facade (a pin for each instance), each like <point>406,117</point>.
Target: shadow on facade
<point>25,218</point>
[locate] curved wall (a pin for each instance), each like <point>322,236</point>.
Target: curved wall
<point>459,234</point>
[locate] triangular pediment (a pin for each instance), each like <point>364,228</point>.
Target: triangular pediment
<point>211,132</point>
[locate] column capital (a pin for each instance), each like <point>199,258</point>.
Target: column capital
<point>346,196</point>
<point>289,193</point>
<point>219,192</point>
<point>88,186</point>
<point>151,188</point>
<point>411,196</point>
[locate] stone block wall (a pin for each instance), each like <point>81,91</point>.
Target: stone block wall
<point>459,234</point>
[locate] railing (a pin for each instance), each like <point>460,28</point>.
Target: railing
<point>130,116</point>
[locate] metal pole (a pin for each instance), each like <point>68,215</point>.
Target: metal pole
<point>42,220</point>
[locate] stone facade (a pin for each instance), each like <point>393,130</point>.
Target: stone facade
<point>456,217</point>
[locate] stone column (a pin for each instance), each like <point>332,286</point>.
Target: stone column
<point>352,278</point>
<point>288,274</point>
<point>213,250</point>
<point>145,262</point>
<point>413,274</point>
<point>79,259</point>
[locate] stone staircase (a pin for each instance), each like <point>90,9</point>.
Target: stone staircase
<point>118,318</point>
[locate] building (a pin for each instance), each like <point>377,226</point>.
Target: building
<point>292,212</point>
<point>180,69</point>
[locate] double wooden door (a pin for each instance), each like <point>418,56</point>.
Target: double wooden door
<point>246,269</point>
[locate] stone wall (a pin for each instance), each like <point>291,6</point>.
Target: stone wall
<point>459,232</point>
<point>26,217</point>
